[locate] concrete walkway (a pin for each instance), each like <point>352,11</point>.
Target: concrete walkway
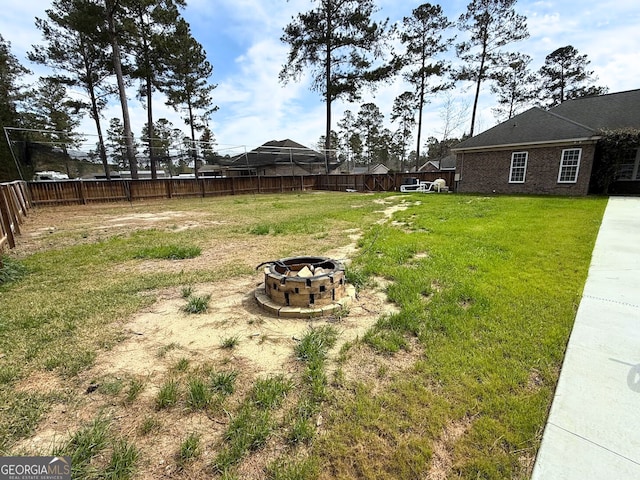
<point>593,431</point>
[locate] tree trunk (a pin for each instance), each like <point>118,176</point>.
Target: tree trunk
<point>193,140</point>
<point>478,82</point>
<point>329,96</point>
<point>117,66</point>
<point>150,132</point>
<point>149,92</point>
<point>96,117</point>
<point>420,107</point>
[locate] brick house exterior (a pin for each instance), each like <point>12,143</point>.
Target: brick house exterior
<point>489,171</point>
<point>544,151</point>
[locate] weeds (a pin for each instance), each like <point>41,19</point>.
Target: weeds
<point>133,391</point>
<point>11,270</point>
<point>162,351</point>
<point>149,424</point>
<point>168,252</point>
<point>223,382</point>
<point>197,304</point>
<point>84,445</point>
<point>189,449</point>
<point>182,365</point>
<point>293,469</point>
<point>199,395</point>
<point>168,395</point>
<point>270,392</point>
<point>122,464</point>
<point>230,343</point>
<point>248,431</point>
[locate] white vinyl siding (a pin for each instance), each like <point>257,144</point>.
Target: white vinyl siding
<point>518,170</point>
<point>569,165</point>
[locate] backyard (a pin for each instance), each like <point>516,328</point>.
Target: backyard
<point>130,339</point>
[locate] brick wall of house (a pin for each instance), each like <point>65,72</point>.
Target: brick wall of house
<point>488,172</point>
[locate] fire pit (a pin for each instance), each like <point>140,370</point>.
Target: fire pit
<point>304,286</point>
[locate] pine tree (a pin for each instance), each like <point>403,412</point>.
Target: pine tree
<point>370,123</point>
<point>349,139</point>
<point>341,46</point>
<point>150,25</point>
<point>422,37</point>
<point>564,76</point>
<point>11,93</point>
<point>114,14</point>
<point>54,116</point>
<point>492,24</point>
<point>514,85</point>
<point>186,82</point>
<point>76,48</point>
<point>404,108</point>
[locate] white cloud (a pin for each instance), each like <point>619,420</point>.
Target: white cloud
<point>242,39</point>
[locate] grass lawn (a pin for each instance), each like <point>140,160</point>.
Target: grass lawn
<point>456,383</point>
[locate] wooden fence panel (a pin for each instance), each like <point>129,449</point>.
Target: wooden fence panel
<point>85,191</point>
<point>101,191</point>
<point>14,205</point>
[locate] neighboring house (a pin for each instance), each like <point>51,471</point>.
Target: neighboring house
<point>280,158</point>
<point>377,169</point>
<point>447,163</point>
<point>213,170</point>
<point>547,151</point>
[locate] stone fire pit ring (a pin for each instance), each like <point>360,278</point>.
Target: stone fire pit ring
<point>304,287</point>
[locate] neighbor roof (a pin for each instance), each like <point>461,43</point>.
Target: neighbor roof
<point>279,151</point>
<point>577,119</point>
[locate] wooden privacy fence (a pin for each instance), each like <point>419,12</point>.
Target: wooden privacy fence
<point>68,192</point>
<point>388,182</point>
<point>14,204</point>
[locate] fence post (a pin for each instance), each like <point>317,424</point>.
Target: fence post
<point>81,192</point>
<point>5,214</point>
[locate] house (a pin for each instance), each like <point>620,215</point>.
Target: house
<point>278,158</point>
<point>447,163</point>
<point>377,169</point>
<point>547,151</point>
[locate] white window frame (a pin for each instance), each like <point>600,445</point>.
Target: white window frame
<point>564,166</point>
<point>523,168</point>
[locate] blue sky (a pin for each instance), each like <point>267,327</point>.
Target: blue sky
<point>242,40</point>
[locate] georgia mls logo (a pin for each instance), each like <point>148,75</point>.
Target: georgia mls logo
<point>35,468</point>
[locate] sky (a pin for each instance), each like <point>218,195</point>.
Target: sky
<point>242,41</point>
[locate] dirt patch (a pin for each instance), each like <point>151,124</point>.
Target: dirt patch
<point>378,371</point>
<point>162,334</point>
<point>441,462</point>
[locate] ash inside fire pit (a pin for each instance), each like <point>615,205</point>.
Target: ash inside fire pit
<point>304,285</point>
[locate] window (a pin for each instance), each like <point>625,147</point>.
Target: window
<point>518,167</point>
<point>629,167</point>
<point>569,165</point>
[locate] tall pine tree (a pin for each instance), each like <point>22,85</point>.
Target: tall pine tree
<point>341,46</point>
<point>11,93</point>
<point>564,76</point>
<point>422,37</point>
<point>186,82</point>
<point>151,25</point>
<point>491,24</point>
<point>76,48</point>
